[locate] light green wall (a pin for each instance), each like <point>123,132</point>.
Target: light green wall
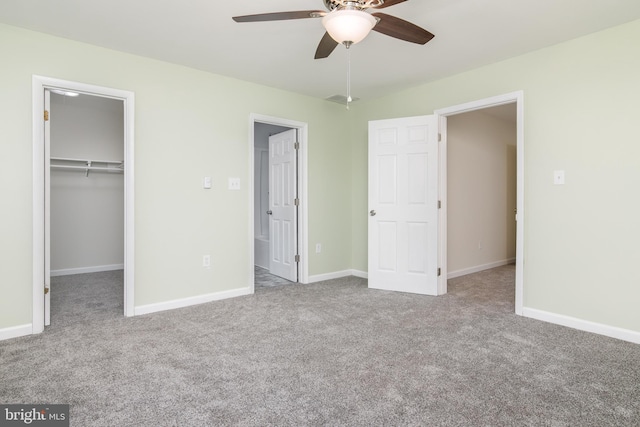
<point>188,124</point>
<point>581,115</point>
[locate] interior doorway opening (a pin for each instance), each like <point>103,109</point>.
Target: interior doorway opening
<point>517,100</point>
<point>84,203</point>
<point>277,208</point>
<point>41,89</point>
<point>481,189</point>
<point>265,248</point>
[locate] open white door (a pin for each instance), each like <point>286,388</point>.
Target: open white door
<point>47,208</point>
<point>403,203</point>
<point>282,205</point>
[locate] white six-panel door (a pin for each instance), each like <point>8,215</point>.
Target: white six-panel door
<point>403,203</point>
<point>282,208</point>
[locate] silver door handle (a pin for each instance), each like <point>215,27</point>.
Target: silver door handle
<point>269,212</point>
<point>372,212</point>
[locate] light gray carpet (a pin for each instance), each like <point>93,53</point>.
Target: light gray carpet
<point>330,353</point>
<point>83,298</point>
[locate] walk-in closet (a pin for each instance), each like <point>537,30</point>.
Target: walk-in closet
<point>86,208</point>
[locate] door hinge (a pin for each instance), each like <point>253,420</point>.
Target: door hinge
<point>439,137</point>
<point>439,271</point>
<point>296,201</point>
<point>297,258</point>
<point>439,204</point>
<point>46,116</point>
<point>296,146</point>
<point>46,291</point>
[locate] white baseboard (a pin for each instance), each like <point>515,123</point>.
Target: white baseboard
<point>360,274</point>
<point>186,302</point>
<point>83,270</point>
<point>329,276</point>
<point>478,268</point>
<point>337,275</point>
<point>16,331</point>
<point>583,325</point>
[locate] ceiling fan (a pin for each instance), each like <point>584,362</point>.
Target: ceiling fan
<point>348,22</point>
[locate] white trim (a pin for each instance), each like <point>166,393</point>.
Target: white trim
<point>303,216</point>
<point>84,270</point>
<point>129,204</point>
<point>338,275</point>
<point>15,332</point>
<point>509,98</point>
<point>479,268</point>
<point>359,273</point>
<point>187,302</point>
<point>442,213</point>
<point>38,104</point>
<point>582,325</point>
<point>39,84</point>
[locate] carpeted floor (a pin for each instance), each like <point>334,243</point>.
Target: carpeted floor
<point>87,298</point>
<point>330,353</point>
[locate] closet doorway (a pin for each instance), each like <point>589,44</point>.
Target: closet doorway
<point>86,206</point>
<point>83,199</point>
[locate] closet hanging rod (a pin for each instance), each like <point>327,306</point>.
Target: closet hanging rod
<point>66,159</point>
<point>91,168</point>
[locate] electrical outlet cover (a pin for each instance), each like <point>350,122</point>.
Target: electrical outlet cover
<point>558,177</point>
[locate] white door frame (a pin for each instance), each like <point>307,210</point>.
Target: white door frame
<point>39,84</point>
<point>509,98</point>
<point>303,231</point>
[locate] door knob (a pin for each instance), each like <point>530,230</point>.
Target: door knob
<point>372,212</point>
<point>269,212</point>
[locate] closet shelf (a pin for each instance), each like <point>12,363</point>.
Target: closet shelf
<point>113,166</point>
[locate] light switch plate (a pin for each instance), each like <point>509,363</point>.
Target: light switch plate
<point>558,177</point>
<point>206,182</point>
<point>234,183</point>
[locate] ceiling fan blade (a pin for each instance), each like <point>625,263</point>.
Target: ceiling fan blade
<point>388,3</point>
<point>401,29</point>
<point>280,16</point>
<point>326,47</point>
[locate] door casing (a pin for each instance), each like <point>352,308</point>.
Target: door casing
<point>40,160</point>
<point>509,98</point>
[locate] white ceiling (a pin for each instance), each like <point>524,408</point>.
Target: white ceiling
<point>202,35</point>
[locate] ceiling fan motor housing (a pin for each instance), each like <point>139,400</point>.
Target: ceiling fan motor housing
<point>352,4</point>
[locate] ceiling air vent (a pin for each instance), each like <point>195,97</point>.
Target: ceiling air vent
<point>341,99</point>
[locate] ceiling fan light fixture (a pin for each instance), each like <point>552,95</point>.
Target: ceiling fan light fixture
<point>348,26</point>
